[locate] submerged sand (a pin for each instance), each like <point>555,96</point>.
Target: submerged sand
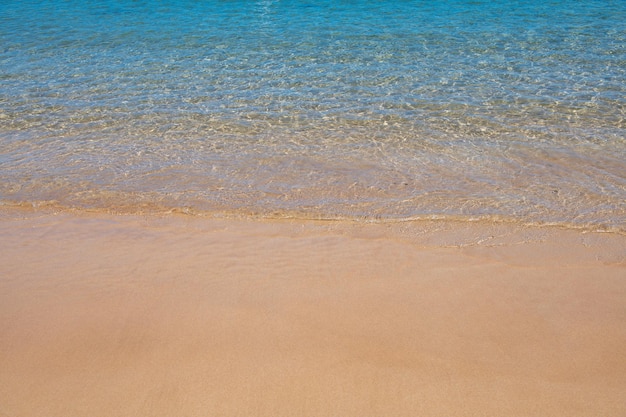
<point>185,316</point>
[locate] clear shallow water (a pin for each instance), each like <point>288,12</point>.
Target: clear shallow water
<point>378,109</point>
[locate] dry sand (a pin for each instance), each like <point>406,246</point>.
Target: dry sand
<point>184,316</point>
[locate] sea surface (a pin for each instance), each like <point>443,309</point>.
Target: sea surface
<point>376,110</point>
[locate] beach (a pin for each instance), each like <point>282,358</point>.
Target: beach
<point>160,315</point>
<point>325,209</point>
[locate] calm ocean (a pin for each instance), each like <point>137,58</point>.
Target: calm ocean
<point>391,110</point>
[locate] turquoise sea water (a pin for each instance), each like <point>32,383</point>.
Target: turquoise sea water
<point>388,110</point>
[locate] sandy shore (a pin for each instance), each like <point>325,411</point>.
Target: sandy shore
<point>180,316</point>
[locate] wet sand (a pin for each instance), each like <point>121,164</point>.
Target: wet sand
<point>161,316</point>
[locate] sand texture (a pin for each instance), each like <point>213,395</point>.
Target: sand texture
<point>181,316</point>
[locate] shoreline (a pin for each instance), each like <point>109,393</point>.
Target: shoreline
<point>183,315</point>
<point>17,210</point>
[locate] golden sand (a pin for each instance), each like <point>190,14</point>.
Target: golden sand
<point>182,316</point>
